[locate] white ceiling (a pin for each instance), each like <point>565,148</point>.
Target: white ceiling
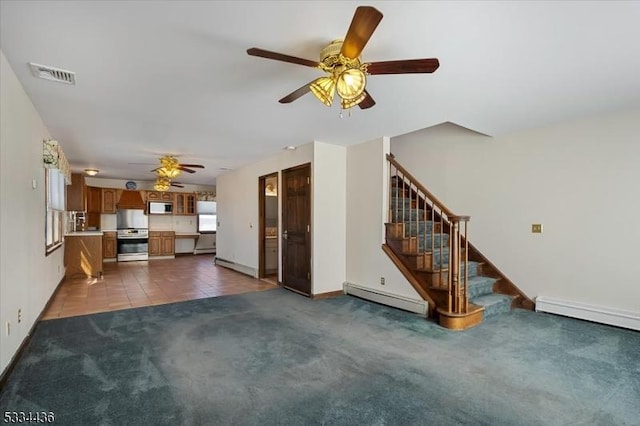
<point>157,77</point>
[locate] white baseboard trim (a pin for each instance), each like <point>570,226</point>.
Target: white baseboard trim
<point>600,314</point>
<point>401,302</point>
<point>247,270</point>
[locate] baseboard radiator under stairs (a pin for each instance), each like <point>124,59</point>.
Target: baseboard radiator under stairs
<point>401,302</point>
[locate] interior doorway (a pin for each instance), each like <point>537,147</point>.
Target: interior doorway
<point>268,235</point>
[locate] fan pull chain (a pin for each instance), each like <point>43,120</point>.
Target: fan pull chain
<point>341,115</point>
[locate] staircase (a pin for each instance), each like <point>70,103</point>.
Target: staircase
<point>429,245</point>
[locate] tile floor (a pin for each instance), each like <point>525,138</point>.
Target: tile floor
<point>127,285</point>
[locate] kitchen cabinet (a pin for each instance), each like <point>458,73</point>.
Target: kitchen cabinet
<point>162,243</point>
<point>94,207</point>
<point>94,199</point>
<point>109,247</point>
<point>77,193</point>
<point>271,255</point>
<point>83,254</point>
<point>184,203</point>
<point>109,200</point>
<point>159,196</point>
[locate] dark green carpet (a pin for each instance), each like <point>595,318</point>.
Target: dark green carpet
<point>274,357</point>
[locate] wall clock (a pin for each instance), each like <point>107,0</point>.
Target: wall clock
<point>131,185</point>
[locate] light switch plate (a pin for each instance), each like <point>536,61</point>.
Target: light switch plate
<point>536,228</point>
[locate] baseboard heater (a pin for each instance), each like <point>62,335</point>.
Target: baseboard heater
<point>204,250</point>
<point>401,302</point>
<point>600,314</point>
<point>236,267</point>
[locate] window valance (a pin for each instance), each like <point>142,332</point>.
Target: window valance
<point>53,158</point>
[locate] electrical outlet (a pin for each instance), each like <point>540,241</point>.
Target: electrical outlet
<point>381,280</point>
<point>536,228</point>
<point>19,316</point>
<point>8,328</point>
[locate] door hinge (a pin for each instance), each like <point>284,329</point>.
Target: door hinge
<point>308,180</point>
<point>308,228</point>
<point>308,275</point>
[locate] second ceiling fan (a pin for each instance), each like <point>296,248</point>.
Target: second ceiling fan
<point>346,73</point>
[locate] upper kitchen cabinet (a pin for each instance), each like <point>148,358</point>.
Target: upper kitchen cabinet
<point>159,196</point>
<point>94,205</point>
<point>77,193</point>
<point>109,200</point>
<point>94,199</point>
<point>184,203</point>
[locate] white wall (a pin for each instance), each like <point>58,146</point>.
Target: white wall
<point>27,277</point>
<point>580,180</point>
<point>237,199</point>
<point>329,217</point>
<point>367,179</point>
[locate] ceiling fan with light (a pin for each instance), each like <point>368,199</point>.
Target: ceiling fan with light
<point>163,184</point>
<point>169,169</point>
<point>346,73</point>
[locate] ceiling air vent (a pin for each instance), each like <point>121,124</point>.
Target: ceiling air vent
<point>53,74</point>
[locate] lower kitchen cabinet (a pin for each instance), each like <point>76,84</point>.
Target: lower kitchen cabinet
<point>83,254</point>
<point>162,243</point>
<point>109,245</point>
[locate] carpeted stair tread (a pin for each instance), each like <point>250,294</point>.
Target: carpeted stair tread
<point>493,303</point>
<point>479,286</point>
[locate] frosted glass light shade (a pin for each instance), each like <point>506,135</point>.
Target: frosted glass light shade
<point>351,83</point>
<point>324,88</point>
<point>350,103</point>
<point>168,172</point>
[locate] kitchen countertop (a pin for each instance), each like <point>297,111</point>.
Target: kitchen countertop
<point>84,234</point>
<point>187,234</point>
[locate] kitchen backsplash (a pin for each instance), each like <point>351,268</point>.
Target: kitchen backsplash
<point>157,223</point>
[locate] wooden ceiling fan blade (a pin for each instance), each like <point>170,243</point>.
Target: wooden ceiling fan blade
<point>363,24</point>
<point>407,66</point>
<point>367,102</point>
<point>177,184</point>
<point>184,169</point>
<point>254,51</point>
<point>193,166</point>
<point>296,94</point>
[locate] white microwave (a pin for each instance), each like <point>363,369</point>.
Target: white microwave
<point>160,207</point>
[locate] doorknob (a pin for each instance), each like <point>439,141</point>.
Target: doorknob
<point>285,235</point>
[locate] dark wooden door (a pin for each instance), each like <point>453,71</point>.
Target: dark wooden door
<point>296,229</point>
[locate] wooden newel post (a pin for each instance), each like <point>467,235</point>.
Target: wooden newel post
<point>458,297</point>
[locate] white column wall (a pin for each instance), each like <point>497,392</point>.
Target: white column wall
<point>367,200</point>
<point>579,179</point>
<point>329,217</point>
<point>28,277</point>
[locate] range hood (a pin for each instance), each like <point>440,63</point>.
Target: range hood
<point>131,200</point>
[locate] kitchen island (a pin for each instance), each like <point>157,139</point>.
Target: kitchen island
<point>83,253</point>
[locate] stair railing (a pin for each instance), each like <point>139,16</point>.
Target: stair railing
<point>421,214</point>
